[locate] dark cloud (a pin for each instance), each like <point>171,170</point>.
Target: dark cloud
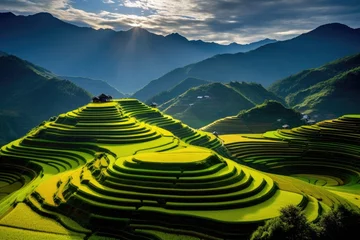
<point>231,15</point>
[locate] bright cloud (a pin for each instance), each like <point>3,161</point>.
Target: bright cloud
<point>108,1</point>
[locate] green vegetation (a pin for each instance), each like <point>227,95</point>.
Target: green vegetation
<point>334,97</point>
<point>179,89</point>
<point>31,94</point>
<point>325,154</point>
<point>200,106</point>
<point>270,111</point>
<point>121,169</point>
<point>255,92</point>
<point>268,116</point>
<point>328,91</point>
<point>292,224</point>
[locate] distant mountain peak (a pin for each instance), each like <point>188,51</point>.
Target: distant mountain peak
<point>334,25</point>
<point>331,28</point>
<point>139,30</point>
<point>7,14</point>
<point>262,41</point>
<point>49,41</point>
<point>265,40</point>
<point>176,36</point>
<point>43,15</point>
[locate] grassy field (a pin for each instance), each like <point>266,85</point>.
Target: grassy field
<point>124,170</point>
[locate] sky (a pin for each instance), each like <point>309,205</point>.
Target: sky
<point>221,21</point>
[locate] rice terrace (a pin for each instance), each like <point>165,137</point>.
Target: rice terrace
<point>123,170</point>
<point>179,120</point>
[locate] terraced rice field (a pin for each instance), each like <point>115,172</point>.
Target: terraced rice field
<point>234,125</point>
<point>325,154</point>
<point>123,170</point>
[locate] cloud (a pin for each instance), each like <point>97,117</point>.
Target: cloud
<point>108,1</point>
<point>222,21</point>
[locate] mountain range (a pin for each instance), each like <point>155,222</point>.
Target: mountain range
<point>268,63</point>
<point>31,94</point>
<point>128,60</point>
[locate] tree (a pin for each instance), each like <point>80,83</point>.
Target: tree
<point>339,223</point>
<point>290,225</point>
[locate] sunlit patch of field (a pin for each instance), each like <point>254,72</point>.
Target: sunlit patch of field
<point>321,180</point>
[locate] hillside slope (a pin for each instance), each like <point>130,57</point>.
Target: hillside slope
<point>310,77</point>
<point>331,98</point>
<point>201,105</point>
<point>75,175</point>
<point>256,93</point>
<point>267,63</point>
<point>328,91</point>
<point>31,94</point>
<point>180,88</point>
<point>127,59</point>
<point>95,87</point>
<point>268,116</point>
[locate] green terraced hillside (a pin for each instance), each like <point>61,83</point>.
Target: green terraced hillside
<point>123,170</point>
<point>325,154</point>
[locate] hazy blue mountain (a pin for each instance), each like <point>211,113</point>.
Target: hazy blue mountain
<point>127,59</point>
<point>268,63</point>
<point>31,94</point>
<point>95,87</point>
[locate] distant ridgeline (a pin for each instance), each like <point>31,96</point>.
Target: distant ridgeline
<point>121,169</point>
<point>127,59</point>
<point>268,63</point>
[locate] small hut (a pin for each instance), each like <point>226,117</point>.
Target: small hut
<point>153,105</point>
<point>103,98</point>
